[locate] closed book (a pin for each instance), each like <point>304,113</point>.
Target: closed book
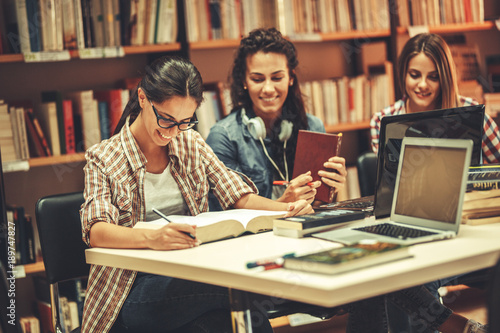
<point>36,148</point>
<point>116,100</point>
<point>33,14</point>
<point>57,97</point>
<point>23,135</point>
<point>313,150</point>
<point>47,114</point>
<point>32,119</point>
<point>299,226</point>
<point>69,126</point>
<point>347,258</point>
<point>103,119</point>
<point>86,117</point>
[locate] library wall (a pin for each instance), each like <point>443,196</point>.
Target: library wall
<point>215,64</point>
<point>26,80</point>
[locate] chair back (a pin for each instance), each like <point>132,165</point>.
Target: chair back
<point>60,233</point>
<point>367,173</point>
<point>494,300</point>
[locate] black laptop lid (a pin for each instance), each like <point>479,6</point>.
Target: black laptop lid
<point>457,123</point>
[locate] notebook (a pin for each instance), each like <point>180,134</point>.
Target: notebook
<point>427,204</point>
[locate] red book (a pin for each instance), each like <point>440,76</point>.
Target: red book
<point>69,126</point>
<point>116,103</point>
<point>313,150</point>
<point>40,146</point>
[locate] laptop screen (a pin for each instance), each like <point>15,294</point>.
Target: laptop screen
<point>456,123</point>
<point>431,181</point>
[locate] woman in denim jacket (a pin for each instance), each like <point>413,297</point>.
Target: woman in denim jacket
<point>259,137</point>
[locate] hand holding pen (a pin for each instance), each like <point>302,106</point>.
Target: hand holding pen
<point>163,216</point>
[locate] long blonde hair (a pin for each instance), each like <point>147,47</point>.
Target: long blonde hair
<point>434,47</point>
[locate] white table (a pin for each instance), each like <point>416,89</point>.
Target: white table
<point>223,263</point>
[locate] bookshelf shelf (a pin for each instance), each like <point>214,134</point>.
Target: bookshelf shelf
<point>155,48</point>
<point>52,160</point>
<point>36,267</point>
<point>128,50</point>
<point>322,37</point>
<point>347,127</point>
<point>454,28</point>
<point>333,36</point>
<point>214,44</point>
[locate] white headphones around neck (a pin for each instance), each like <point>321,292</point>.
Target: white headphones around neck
<point>257,130</point>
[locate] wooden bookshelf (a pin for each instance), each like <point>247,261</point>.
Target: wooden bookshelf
<point>36,267</point>
<point>214,44</point>
<point>128,50</point>
<point>62,159</point>
<point>455,28</point>
<point>348,35</point>
<point>347,127</point>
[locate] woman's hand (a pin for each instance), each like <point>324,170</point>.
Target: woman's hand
<point>172,236</point>
<point>335,178</point>
<point>299,207</point>
<point>301,188</point>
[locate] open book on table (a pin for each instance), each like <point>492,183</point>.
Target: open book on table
<point>213,226</point>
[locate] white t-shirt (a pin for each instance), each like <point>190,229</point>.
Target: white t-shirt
<point>162,192</point>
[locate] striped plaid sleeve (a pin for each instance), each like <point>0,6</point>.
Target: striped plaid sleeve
<point>491,140</point>
<point>97,206</point>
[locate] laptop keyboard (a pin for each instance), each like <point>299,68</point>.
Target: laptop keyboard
<point>364,204</point>
<point>395,231</point>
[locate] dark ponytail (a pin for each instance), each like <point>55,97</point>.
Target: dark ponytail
<point>165,78</point>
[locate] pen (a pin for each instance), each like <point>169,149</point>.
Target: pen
<point>270,261</point>
<point>268,267</point>
<point>166,219</point>
<point>284,182</point>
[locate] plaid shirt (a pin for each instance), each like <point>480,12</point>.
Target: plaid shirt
<point>491,135</point>
<point>114,193</point>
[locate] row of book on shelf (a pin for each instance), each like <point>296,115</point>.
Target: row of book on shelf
<point>334,101</point>
<point>229,19</point>
<point>438,12</point>
<point>56,25</point>
<point>70,306</point>
<point>62,123</point>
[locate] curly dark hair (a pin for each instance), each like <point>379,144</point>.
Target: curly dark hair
<point>271,41</point>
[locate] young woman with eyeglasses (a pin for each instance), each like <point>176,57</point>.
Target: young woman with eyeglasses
<point>155,161</point>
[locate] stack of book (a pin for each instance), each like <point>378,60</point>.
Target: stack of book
<point>481,201</point>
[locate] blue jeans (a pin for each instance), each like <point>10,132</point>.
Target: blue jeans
<point>164,304</point>
<point>425,311</point>
<point>400,321</point>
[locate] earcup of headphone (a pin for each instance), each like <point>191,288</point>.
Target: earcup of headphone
<point>257,128</point>
<point>286,130</point>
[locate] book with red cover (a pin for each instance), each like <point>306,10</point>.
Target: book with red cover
<point>313,150</point>
<point>40,146</point>
<point>69,126</point>
<point>115,105</point>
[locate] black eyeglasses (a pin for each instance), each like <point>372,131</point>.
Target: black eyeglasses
<point>169,123</point>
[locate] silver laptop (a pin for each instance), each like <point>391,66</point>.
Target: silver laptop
<point>428,196</point>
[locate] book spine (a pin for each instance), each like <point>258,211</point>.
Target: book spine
<point>484,186</point>
<point>36,149</point>
<point>69,127</point>
<point>39,132</point>
<point>33,14</point>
